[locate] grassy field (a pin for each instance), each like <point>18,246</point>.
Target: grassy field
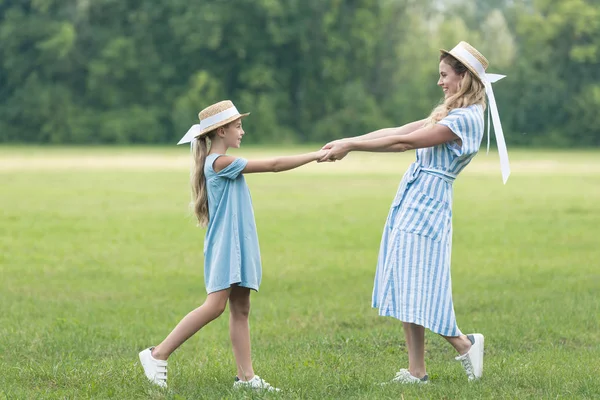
<point>99,259</point>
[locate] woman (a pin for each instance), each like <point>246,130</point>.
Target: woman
<point>412,282</point>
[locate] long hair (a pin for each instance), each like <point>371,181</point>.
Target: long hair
<point>198,180</point>
<point>470,91</point>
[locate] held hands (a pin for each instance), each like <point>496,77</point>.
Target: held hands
<point>319,155</point>
<point>335,150</point>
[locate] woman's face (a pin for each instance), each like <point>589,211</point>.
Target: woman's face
<point>449,80</point>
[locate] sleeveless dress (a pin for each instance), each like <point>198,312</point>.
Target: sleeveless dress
<point>412,281</point>
<point>231,250</point>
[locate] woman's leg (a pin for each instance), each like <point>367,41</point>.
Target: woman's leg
<point>415,341</point>
<point>470,350</point>
<point>461,343</point>
<point>239,331</point>
<point>213,307</point>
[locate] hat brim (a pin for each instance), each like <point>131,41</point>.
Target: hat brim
<point>463,62</point>
<point>220,124</point>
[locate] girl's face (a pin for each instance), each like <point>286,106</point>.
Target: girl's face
<point>232,134</point>
<point>449,80</point>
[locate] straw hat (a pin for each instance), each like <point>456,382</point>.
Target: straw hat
<point>477,64</point>
<point>470,57</point>
<point>211,118</point>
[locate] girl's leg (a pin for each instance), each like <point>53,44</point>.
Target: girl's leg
<point>461,343</point>
<point>213,306</point>
<point>415,341</point>
<point>239,331</point>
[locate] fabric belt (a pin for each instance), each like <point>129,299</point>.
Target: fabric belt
<point>413,173</point>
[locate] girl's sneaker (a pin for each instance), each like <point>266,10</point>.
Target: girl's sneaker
<point>404,376</point>
<point>256,383</point>
<point>155,370</point>
<point>472,361</point>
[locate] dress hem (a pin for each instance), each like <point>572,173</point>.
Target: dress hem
<point>435,328</point>
<point>241,284</point>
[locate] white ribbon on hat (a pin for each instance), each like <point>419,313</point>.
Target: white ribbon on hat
<point>196,129</point>
<point>487,80</point>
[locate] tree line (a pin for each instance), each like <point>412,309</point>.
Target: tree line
<point>134,71</point>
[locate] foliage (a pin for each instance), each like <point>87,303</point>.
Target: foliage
<point>107,71</point>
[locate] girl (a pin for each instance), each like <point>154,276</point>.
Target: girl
<point>412,281</point>
<point>232,266</point>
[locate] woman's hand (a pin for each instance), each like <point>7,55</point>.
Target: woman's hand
<point>337,150</point>
<point>330,144</point>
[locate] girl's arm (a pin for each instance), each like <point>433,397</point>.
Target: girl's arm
<point>276,164</point>
<point>420,138</point>
<point>402,130</point>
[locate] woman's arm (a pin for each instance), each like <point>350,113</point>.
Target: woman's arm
<point>420,138</point>
<point>276,164</point>
<point>402,130</point>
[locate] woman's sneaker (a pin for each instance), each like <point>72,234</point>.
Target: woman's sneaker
<point>256,383</point>
<point>155,370</point>
<point>472,361</point>
<point>404,376</point>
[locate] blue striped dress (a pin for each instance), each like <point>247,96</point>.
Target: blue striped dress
<point>412,282</point>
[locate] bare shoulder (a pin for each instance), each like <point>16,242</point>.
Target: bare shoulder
<point>222,162</point>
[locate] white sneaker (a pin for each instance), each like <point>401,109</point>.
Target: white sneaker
<point>155,370</point>
<point>256,383</point>
<point>404,376</point>
<point>472,361</point>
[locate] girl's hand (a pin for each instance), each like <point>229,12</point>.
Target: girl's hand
<point>320,155</point>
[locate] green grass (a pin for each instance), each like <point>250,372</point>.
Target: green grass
<point>98,262</point>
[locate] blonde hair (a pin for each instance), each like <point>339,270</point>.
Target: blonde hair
<point>470,91</point>
<point>199,202</point>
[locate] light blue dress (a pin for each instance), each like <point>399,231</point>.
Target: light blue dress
<point>231,250</point>
<point>412,281</point>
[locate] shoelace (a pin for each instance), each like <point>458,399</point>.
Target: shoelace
<point>266,385</point>
<point>257,383</point>
<point>403,376</point>
<point>263,383</point>
<point>467,364</point>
